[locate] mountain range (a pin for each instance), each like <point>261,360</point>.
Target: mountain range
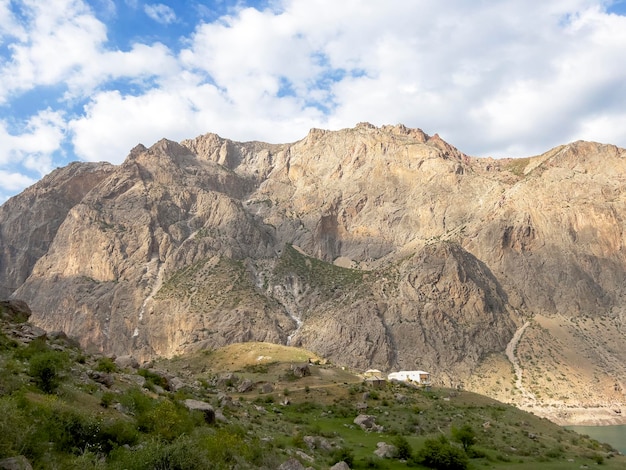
<point>375,247</point>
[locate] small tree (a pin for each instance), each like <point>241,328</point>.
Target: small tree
<point>46,368</point>
<point>403,448</point>
<point>441,455</point>
<point>464,435</point>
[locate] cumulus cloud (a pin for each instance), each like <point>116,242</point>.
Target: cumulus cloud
<point>30,150</point>
<point>160,13</point>
<point>11,182</point>
<point>42,135</point>
<point>62,37</point>
<point>508,78</point>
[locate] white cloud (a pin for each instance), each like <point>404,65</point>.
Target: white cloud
<point>160,13</point>
<point>31,150</point>
<point>62,38</point>
<point>41,137</point>
<point>12,182</point>
<point>508,78</point>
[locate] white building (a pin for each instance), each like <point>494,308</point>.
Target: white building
<point>414,376</point>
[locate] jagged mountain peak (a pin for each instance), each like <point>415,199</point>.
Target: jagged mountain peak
<point>407,252</point>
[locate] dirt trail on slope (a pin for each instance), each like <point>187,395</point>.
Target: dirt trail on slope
<point>510,354</point>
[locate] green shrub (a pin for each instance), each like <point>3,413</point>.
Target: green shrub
<point>166,421</point>
<point>73,432</point>
<point>11,376</point>
<point>183,454</point>
<point>7,343</point>
<point>342,454</point>
<point>154,378</point>
<point>106,364</point>
<point>371,462</point>
<point>441,455</point>
<point>136,402</point>
<point>464,435</point>
<point>107,399</point>
<point>14,427</point>
<point>36,346</point>
<point>116,433</point>
<point>46,368</point>
<point>403,448</point>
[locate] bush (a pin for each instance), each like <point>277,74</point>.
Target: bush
<point>107,399</point>
<point>117,433</point>
<point>342,454</point>
<point>14,428</point>
<point>153,378</point>
<point>464,435</point>
<point>45,368</point>
<point>36,346</point>
<point>73,432</point>
<point>403,448</point>
<point>106,364</point>
<point>136,402</point>
<point>166,421</point>
<point>441,455</point>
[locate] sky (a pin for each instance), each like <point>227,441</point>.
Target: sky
<point>89,80</point>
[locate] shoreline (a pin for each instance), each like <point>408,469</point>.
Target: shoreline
<point>578,416</point>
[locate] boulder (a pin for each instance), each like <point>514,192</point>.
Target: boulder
<point>126,362</point>
<point>292,464</point>
<point>301,370</point>
<point>15,463</point>
<point>15,311</point>
<point>340,466</point>
<point>101,377</point>
<point>245,386</point>
<point>204,407</point>
<point>367,423</point>
<point>385,451</point>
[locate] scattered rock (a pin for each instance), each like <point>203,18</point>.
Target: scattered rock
<point>401,398</point>
<point>245,386</point>
<point>126,362</point>
<point>267,388</point>
<point>301,370</point>
<point>304,456</point>
<point>316,442</point>
<point>340,466</point>
<point>384,450</point>
<point>15,463</point>
<point>219,416</point>
<point>63,338</point>
<point>205,408</point>
<point>367,423</point>
<point>292,464</point>
<point>227,380</point>
<point>101,377</point>
<point>175,384</point>
<point>15,311</point>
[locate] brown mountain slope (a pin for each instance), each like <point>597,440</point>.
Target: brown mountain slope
<point>29,221</point>
<point>372,246</point>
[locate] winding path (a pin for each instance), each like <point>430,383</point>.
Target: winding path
<point>510,354</point>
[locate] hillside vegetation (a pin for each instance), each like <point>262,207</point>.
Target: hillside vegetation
<point>246,406</point>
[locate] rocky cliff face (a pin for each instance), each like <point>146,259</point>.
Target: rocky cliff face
<point>29,222</point>
<point>379,247</point>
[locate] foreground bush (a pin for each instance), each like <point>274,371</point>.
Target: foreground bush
<point>441,455</point>
<point>46,368</point>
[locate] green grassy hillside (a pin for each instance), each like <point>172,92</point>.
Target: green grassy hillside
<point>61,408</point>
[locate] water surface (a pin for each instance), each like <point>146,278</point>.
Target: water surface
<point>614,435</point>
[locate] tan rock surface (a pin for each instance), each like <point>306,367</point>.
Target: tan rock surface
<point>438,257</point>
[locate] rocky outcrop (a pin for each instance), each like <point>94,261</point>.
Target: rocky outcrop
<point>29,222</point>
<point>376,247</point>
